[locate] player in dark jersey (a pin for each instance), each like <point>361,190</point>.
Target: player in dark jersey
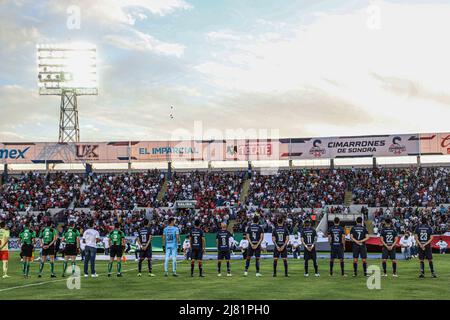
<point>48,237</point>
<point>359,235</point>
<point>389,240</point>
<point>336,237</point>
<point>223,248</point>
<point>144,241</point>
<point>280,238</point>
<point>309,237</point>
<point>197,241</point>
<point>424,237</point>
<point>255,235</point>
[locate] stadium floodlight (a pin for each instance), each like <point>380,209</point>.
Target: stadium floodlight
<point>67,70</point>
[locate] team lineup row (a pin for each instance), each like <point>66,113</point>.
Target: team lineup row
<point>171,243</point>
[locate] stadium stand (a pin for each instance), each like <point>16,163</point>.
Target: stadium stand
<point>297,193</point>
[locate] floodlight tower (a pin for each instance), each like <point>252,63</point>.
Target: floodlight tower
<point>68,71</point>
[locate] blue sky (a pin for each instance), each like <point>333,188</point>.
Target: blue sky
<point>297,68</point>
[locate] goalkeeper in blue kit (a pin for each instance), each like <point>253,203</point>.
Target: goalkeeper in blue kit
<point>171,240</point>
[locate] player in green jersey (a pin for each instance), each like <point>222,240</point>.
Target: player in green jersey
<point>27,241</point>
<point>117,245</point>
<point>72,239</point>
<point>48,238</point>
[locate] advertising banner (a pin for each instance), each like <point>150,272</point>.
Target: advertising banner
<point>435,144</point>
<point>226,150</point>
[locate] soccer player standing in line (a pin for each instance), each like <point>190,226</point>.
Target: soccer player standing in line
<point>359,235</point>
<point>27,241</point>
<point>389,240</point>
<point>144,241</point>
<point>423,235</point>
<point>309,237</point>
<point>71,237</point>
<point>4,248</point>
<point>48,238</point>
<point>223,248</point>
<point>197,242</point>
<point>280,237</point>
<point>117,246</point>
<point>336,237</point>
<point>170,240</point>
<point>255,235</point>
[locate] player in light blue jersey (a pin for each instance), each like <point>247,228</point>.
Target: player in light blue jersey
<point>171,240</point>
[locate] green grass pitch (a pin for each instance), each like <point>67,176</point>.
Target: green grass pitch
<point>406,286</point>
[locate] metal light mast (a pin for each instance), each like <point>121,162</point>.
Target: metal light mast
<point>67,70</point>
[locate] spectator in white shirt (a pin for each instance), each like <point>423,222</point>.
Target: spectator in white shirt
<point>442,244</point>
<point>244,245</point>
<point>187,248</point>
<point>106,245</point>
<point>90,239</point>
<point>406,244</point>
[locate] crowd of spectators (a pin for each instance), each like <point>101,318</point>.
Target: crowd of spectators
<point>297,194</point>
<point>298,189</point>
<point>35,191</point>
<point>407,219</point>
<point>401,187</point>
<point>209,189</point>
<point>121,191</point>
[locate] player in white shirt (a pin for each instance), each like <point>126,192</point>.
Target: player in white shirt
<point>244,246</point>
<point>442,246</point>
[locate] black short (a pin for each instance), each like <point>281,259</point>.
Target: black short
<point>116,251</point>
<point>388,254</point>
<point>307,255</point>
<point>145,254</point>
<point>50,251</point>
<point>196,254</point>
<point>425,254</point>
<point>337,252</point>
<point>221,255</point>
<point>254,252</point>
<point>70,250</point>
<point>359,251</point>
<point>27,250</point>
<point>278,254</point>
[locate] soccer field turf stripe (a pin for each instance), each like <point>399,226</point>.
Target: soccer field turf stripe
<point>64,279</point>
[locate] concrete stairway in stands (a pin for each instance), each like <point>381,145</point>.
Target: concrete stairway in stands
<point>244,191</point>
<point>348,197</point>
<point>162,192</point>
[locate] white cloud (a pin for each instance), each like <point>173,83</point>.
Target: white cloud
<point>338,54</point>
<point>140,41</point>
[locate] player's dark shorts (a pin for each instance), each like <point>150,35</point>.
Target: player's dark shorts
<point>223,254</point>
<point>145,254</point>
<point>308,255</point>
<point>278,254</point>
<point>116,251</point>
<point>196,254</point>
<point>70,250</point>
<point>337,252</point>
<point>425,254</point>
<point>254,252</point>
<point>27,250</point>
<point>50,251</point>
<point>388,254</point>
<point>359,251</point>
